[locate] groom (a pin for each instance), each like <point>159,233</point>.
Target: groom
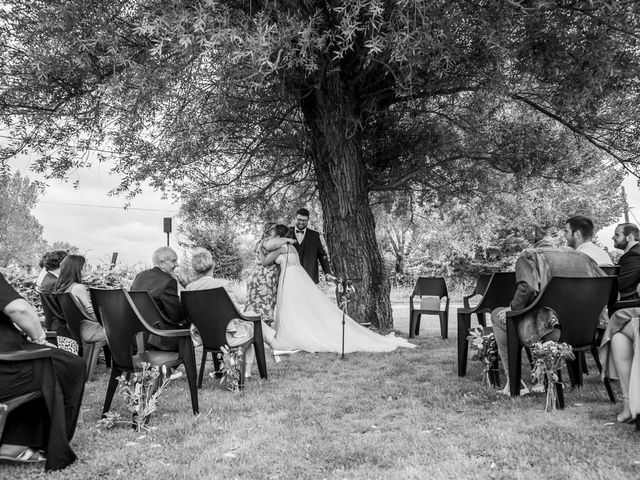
<point>309,246</point>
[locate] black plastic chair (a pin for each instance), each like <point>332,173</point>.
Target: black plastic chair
<point>126,326</point>
<point>481,287</point>
<point>210,311</point>
<point>578,303</point>
<point>613,270</point>
<point>499,293</point>
<point>73,316</point>
<point>429,287</point>
<point>58,452</point>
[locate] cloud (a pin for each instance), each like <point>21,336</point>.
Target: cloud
<point>96,222</point>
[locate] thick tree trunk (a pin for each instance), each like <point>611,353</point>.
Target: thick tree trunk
<point>348,221</point>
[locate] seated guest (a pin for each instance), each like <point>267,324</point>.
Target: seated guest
<point>70,281</point>
<point>238,331</point>
<point>618,349</point>
<point>52,261</point>
<point>28,428</point>
<point>202,264</point>
<point>43,271</point>
<point>534,268</point>
<point>578,231</point>
<point>626,238</point>
<point>163,288</point>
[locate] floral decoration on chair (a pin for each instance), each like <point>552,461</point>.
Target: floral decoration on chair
<point>231,364</point>
<point>548,358</point>
<point>141,394</point>
<point>486,351</point>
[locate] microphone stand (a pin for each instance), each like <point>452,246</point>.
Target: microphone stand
<point>343,299</point>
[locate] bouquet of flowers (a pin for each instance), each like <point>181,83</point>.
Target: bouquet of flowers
<point>345,291</point>
<point>486,351</point>
<point>141,394</point>
<point>230,367</point>
<point>549,357</point>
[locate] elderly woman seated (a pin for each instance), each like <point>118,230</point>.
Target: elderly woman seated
<point>238,331</point>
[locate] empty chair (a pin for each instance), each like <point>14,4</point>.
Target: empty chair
<point>210,311</point>
<point>499,292</point>
<point>125,325</point>
<point>74,317</point>
<point>578,303</point>
<point>481,287</point>
<point>431,291</point>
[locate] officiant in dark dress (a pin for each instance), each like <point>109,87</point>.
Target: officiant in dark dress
<point>309,246</point>
<point>49,422</point>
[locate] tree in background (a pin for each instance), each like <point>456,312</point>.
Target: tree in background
<point>21,239</point>
<point>263,98</point>
<point>221,240</point>
<point>461,239</point>
<point>67,247</point>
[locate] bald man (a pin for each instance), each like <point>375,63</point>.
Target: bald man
<point>163,288</point>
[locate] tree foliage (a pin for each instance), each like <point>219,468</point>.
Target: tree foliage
<point>221,241</point>
<point>21,239</point>
<point>277,101</point>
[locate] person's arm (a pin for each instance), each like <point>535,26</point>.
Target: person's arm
<point>81,293</point>
<point>26,318</point>
<point>323,258</point>
<point>525,289</point>
<point>272,244</point>
<point>171,303</point>
<point>271,257</point>
<point>629,273</point>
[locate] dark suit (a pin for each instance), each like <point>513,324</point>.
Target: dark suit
<point>48,284</point>
<point>163,288</point>
<point>311,252</point>
<point>629,273</point>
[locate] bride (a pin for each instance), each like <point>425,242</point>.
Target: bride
<point>305,317</point>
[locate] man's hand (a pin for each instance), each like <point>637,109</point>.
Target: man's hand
<point>502,315</point>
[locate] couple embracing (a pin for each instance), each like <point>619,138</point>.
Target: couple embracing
<point>305,319</point>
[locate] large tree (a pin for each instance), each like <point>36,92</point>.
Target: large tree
<point>258,96</point>
<point>21,239</point>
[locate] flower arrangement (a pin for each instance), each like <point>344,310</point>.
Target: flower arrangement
<point>549,357</point>
<point>105,277</point>
<point>141,395</point>
<point>486,351</point>
<point>231,363</point>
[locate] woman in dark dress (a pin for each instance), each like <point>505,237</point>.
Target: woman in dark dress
<point>28,428</point>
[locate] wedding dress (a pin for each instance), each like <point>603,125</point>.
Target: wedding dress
<point>307,320</point>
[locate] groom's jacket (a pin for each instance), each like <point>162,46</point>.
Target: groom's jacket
<point>311,252</point>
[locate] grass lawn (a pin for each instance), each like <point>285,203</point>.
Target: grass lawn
<point>398,415</point>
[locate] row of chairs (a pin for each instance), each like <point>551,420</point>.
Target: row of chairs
<point>578,303</point>
<point>578,317</point>
<point>129,318</point>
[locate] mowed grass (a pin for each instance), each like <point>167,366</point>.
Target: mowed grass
<point>398,415</point>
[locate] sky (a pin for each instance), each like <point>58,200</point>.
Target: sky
<point>98,223</point>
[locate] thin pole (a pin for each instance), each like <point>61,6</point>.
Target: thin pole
<point>167,239</point>
<point>625,206</point>
<point>344,308</point>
